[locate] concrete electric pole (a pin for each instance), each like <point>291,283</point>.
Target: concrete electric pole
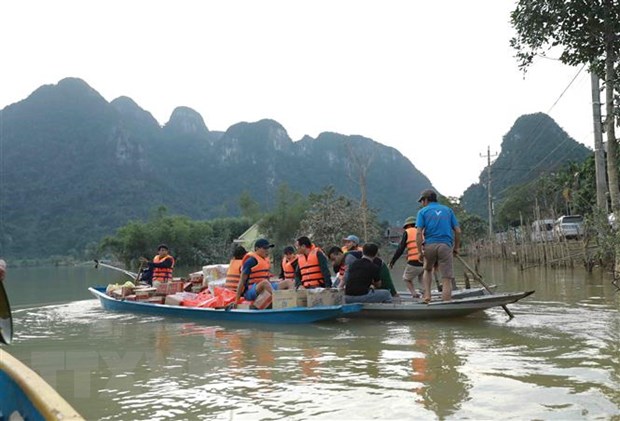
<point>489,195</point>
<point>599,150</point>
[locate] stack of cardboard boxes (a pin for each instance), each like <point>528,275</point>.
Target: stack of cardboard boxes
<point>317,297</point>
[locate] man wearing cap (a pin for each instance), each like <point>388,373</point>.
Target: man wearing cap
<point>438,238</point>
<point>161,267</point>
<point>256,271</point>
<point>414,268</point>
<point>351,243</point>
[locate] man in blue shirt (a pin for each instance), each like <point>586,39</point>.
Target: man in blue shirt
<point>438,238</point>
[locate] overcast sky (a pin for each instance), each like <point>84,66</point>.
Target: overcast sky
<point>436,80</point>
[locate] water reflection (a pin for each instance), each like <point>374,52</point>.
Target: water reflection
<point>559,358</point>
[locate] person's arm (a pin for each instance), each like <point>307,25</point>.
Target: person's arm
<point>297,275</point>
<point>246,269</point>
<point>376,276</point>
<point>419,240</point>
<point>324,265</point>
<point>457,234</point>
<point>457,239</point>
<point>281,275</point>
<point>166,263</point>
<point>399,251</point>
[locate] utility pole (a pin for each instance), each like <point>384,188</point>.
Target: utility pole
<point>599,151</point>
<point>489,195</point>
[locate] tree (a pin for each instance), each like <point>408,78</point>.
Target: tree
<point>281,225</point>
<point>586,33</point>
<point>329,218</point>
<point>361,158</point>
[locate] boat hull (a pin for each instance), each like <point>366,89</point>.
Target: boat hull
<point>412,310</point>
<point>295,315</point>
<point>22,391</point>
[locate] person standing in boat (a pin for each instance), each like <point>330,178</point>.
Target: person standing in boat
<point>161,266</point>
<point>233,274</point>
<point>313,268</point>
<point>363,279</point>
<point>414,268</point>
<point>256,272</point>
<point>289,264</point>
<point>438,238</point>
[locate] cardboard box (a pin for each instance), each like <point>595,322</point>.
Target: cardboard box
<point>318,297</point>
<point>156,299</point>
<point>142,293</point>
<point>167,288</point>
<point>177,299</point>
<point>263,301</point>
<point>287,298</point>
<point>244,306</point>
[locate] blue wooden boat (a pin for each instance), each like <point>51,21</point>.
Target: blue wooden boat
<point>294,315</point>
<point>25,395</point>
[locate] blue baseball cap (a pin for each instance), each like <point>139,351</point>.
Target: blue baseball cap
<point>263,243</point>
<point>353,238</point>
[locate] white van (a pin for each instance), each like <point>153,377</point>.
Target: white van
<point>542,230</point>
<point>568,226</point>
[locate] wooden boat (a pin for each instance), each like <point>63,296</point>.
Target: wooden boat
<point>294,315</point>
<point>456,293</point>
<point>25,395</point>
<point>412,310</point>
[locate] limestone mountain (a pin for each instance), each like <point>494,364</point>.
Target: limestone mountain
<point>75,167</point>
<point>534,145</point>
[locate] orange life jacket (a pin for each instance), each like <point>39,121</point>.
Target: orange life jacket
<point>311,275</point>
<point>288,268</point>
<point>261,271</point>
<point>162,274</point>
<point>413,254</point>
<point>233,275</point>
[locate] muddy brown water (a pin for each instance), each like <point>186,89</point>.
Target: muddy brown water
<point>559,358</point>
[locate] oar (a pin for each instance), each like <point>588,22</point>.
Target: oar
<point>132,275</point>
<point>6,319</point>
<point>478,278</point>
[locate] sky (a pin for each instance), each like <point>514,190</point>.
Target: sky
<point>436,80</point>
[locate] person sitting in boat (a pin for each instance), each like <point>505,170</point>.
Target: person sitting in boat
<point>338,259</point>
<point>289,264</point>
<point>256,272</point>
<point>351,243</point>
<point>313,269</point>
<point>414,268</point>
<point>341,260</point>
<point>233,274</point>
<point>363,280</point>
<point>162,265</point>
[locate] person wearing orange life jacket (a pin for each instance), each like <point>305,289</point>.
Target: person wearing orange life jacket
<point>256,272</point>
<point>161,265</point>
<point>414,268</point>
<point>233,274</point>
<point>313,269</point>
<point>289,264</point>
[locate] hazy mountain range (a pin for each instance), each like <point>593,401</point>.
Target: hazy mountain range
<point>75,167</point>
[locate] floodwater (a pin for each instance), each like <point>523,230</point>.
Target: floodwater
<point>559,358</point>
